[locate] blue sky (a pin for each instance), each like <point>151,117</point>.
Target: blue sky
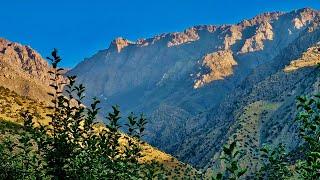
<point>79,28</point>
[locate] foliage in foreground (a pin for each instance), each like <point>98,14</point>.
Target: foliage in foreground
<point>231,156</point>
<point>309,119</point>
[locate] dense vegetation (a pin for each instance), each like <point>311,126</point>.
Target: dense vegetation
<point>74,145</point>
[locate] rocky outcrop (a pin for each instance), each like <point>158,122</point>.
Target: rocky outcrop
<point>24,59</point>
<point>309,58</point>
<point>220,65</point>
<point>188,35</point>
<point>305,17</point>
<point>23,70</point>
<point>256,42</point>
<point>119,43</point>
<point>234,33</point>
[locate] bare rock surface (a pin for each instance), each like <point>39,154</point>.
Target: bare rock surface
<point>23,70</point>
<point>309,58</point>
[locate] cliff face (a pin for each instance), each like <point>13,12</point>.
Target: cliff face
<point>23,70</point>
<point>220,65</point>
<point>194,84</point>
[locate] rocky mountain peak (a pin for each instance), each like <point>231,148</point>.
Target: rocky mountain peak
<point>23,58</point>
<point>304,16</point>
<point>256,43</point>
<point>306,10</point>
<point>188,35</point>
<point>119,43</point>
<point>262,22</point>
<point>264,17</point>
<point>23,70</point>
<point>250,39</point>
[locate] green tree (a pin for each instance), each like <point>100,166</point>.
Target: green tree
<point>231,156</point>
<point>309,119</point>
<point>275,164</point>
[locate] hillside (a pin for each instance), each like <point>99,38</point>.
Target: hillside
<point>24,83</point>
<point>12,105</point>
<point>23,70</point>
<point>198,84</point>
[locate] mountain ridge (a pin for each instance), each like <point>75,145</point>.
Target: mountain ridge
<point>190,31</point>
<point>184,81</point>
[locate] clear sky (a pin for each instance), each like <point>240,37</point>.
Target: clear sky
<point>79,28</point>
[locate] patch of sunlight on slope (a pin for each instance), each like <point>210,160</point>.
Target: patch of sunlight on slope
<point>246,131</point>
<point>173,167</point>
<point>309,58</point>
<point>171,164</point>
<point>12,104</point>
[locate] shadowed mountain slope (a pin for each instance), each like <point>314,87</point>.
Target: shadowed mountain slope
<point>200,86</point>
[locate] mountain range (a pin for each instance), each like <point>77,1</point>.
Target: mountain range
<point>200,88</point>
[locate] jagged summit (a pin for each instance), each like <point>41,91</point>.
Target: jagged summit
<point>23,58</point>
<point>119,43</point>
<point>192,34</point>
<point>23,70</point>
<point>305,10</point>
<point>254,40</point>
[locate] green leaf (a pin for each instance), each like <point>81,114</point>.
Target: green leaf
<point>241,172</point>
<point>219,176</point>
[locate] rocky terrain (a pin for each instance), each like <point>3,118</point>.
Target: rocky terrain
<point>208,84</point>
<point>23,70</point>
<point>309,58</point>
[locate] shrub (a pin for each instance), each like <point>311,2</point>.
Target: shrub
<point>309,119</point>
